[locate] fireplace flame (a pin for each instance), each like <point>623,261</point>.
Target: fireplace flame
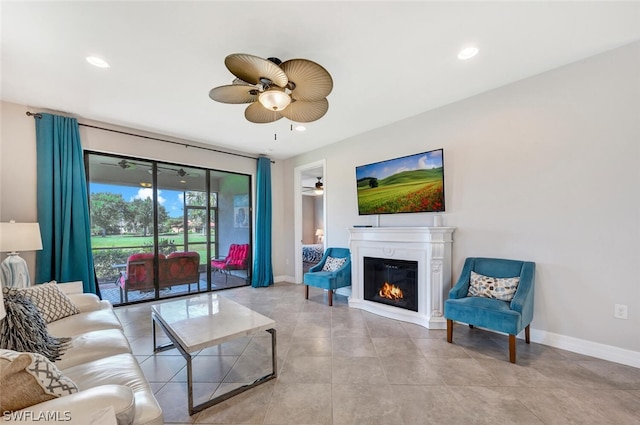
<point>391,292</point>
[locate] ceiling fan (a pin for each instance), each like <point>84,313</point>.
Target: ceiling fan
<point>124,164</point>
<point>180,172</point>
<point>318,189</point>
<point>296,89</point>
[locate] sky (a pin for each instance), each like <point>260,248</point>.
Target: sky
<point>172,200</point>
<point>420,161</point>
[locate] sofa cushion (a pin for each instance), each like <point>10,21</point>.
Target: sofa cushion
<point>85,322</point>
<point>502,289</point>
<point>52,302</point>
<point>94,345</point>
<point>84,407</point>
<point>88,302</point>
<point>121,369</point>
<point>181,267</point>
<point>28,379</point>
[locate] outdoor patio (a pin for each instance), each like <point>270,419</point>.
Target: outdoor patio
<point>111,291</point>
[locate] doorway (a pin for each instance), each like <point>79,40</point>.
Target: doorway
<point>310,215</point>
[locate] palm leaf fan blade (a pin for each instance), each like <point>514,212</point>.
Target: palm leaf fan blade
<point>252,68</point>
<point>234,94</point>
<point>299,111</point>
<point>258,114</point>
<point>312,81</point>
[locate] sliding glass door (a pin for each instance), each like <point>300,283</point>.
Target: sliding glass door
<point>161,230</point>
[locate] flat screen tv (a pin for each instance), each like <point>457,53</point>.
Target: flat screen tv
<point>410,184</point>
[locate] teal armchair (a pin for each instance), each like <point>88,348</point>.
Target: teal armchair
<point>330,280</point>
<point>509,317</point>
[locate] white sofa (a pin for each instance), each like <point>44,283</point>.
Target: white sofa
<point>101,364</point>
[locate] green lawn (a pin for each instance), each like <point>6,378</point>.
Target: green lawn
<point>128,241</point>
<point>115,249</point>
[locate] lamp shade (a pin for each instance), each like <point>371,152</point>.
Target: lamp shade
<point>16,237</point>
<point>319,232</point>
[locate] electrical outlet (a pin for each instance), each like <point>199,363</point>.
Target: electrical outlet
<point>620,311</point>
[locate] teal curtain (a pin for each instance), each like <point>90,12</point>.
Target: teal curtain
<point>63,206</point>
<point>262,268</point>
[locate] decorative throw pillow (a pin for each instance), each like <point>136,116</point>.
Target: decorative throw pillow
<point>332,264</point>
<point>50,300</point>
<point>24,328</point>
<point>493,287</point>
<point>28,379</point>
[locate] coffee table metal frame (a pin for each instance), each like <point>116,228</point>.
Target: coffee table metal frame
<point>156,319</point>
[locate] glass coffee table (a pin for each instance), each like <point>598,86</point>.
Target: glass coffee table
<point>195,323</point>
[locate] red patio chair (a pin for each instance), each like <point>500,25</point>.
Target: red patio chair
<point>237,259</point>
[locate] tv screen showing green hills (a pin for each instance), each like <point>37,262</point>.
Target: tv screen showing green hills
<point>406,191</point>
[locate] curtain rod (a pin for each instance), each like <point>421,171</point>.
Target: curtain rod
<point>186,145</point>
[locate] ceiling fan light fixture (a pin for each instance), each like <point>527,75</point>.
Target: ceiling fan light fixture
<point>296,89</point>
<point>274,99</point>
<point>319,187</point>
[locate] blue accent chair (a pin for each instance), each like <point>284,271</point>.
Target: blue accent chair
<point>502,316</point>
<point>329,280</point>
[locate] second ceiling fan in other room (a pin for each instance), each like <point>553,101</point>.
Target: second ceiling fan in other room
<point>296,89</point>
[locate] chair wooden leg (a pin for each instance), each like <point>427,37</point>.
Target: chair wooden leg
<point>512,348</point>
<point>330,297</point>
<point>306,292</point>
<point>527,339</point>
<point>449,330</point>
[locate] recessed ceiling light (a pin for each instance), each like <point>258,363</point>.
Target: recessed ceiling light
<point>145,184</point>
<point>300,128</point>
<point>96,61</point>
<point>183,181</point>
<point>467,53</point>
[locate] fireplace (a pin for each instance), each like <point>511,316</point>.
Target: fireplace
<point>416,259</point>
<point>391,282</point>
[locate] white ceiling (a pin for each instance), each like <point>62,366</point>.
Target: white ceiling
<point>388,60</point>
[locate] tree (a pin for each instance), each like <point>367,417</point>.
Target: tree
<point>139,212</point>
<point>107,211</point>
<point>373,182</point>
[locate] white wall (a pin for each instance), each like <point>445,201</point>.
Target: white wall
<point>18,170</point>
<point>18,161</point>
<point>546,169</point>
<point>308,219</point>
<point>318,205</point>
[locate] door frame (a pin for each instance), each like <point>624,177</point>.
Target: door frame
<point>297,204</point>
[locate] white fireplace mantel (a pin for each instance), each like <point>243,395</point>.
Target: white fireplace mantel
<point>430,247</point>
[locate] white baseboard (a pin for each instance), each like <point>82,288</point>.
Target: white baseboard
<point>588,348</point>
<point>284,278</point>
<point>563,342</point>
<point>346,291</point>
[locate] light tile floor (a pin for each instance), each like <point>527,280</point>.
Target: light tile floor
<point>339,365</point>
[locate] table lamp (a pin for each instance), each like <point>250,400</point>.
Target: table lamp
<point>320,234</point>
<point>16,237</point>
